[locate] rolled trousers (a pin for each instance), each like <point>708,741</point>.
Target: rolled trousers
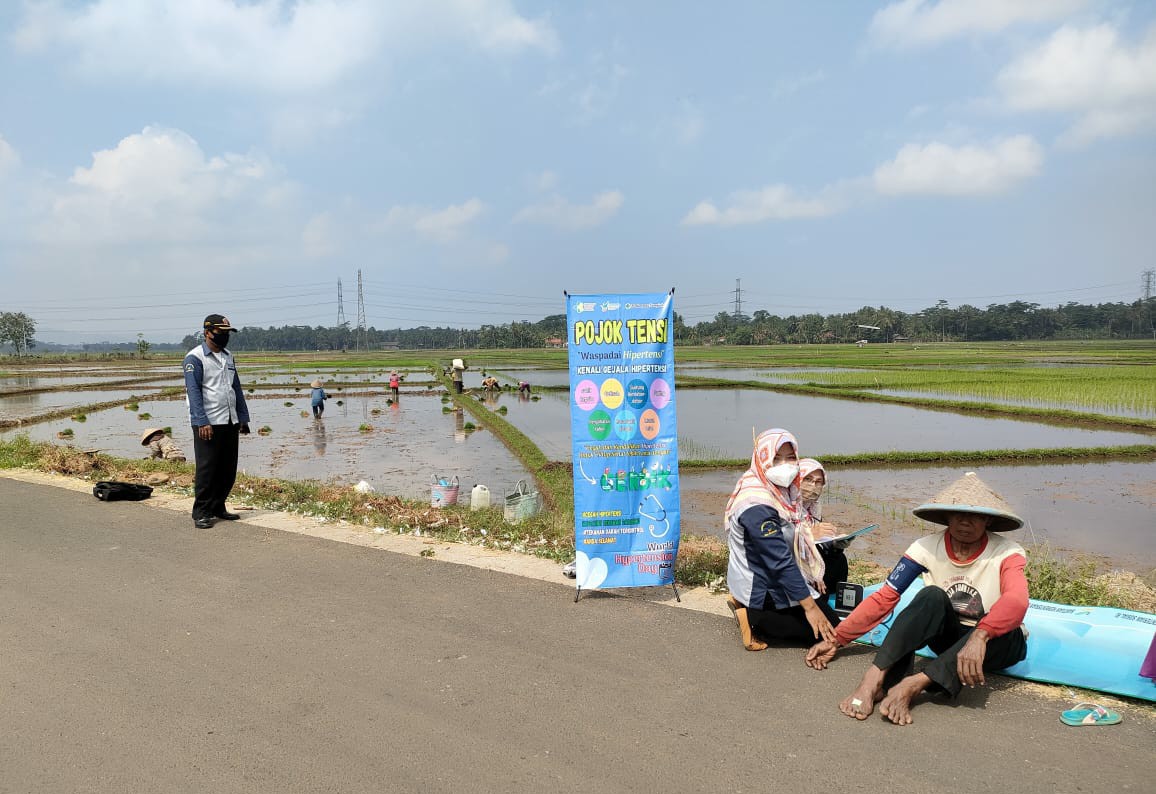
<point>216,470</point>
<point>930,620</point>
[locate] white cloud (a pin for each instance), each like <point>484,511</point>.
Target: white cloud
<point>443,225</point>
<point>771,203</point>
<point>939,169</point>
<point>319,237</point>
<point>785,86</point>
<point>158,186</point>
<point>918,22</point>
<point>271,45</point>
<point>547,180</point>
<point>560,213</point>
<point>8,157</point>
<point>1108,85</point>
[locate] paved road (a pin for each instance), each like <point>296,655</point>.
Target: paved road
<point>139,654</point>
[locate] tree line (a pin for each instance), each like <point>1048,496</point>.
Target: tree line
<point>1016,321</point>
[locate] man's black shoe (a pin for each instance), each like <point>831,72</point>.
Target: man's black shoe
<point>203,523</point>
<point>226,515</point>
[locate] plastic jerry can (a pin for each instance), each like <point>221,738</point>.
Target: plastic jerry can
<point>479,497</point>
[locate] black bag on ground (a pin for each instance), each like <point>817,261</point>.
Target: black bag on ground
<point>107,491</point>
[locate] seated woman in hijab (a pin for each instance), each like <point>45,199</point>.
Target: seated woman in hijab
<point>775,573</point>
<point>813,480</point>
<point>969,612</point>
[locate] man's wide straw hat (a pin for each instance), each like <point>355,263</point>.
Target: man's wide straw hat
<point>970,494</point>
<point>316,384</point>
<point>146,435</point>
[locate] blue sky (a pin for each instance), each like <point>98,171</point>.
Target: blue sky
<point>161,159</point>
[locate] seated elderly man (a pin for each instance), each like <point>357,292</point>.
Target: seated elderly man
<point>969,612</point>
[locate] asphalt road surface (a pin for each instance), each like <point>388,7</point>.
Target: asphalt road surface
<point>140,654</point>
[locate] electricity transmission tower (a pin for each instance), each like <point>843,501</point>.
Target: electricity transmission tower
<point>738,299</point>
<point>362,340</point>
<point>1147,277</point>
<point>341,321</point>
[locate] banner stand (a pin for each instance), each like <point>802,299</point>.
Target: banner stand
<point>578,592</point>
<point>624,440</point>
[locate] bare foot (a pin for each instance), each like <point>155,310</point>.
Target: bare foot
<point>897,705</point>
<point>860,703</point>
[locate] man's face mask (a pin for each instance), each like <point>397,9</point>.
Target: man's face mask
<point>220,338</point>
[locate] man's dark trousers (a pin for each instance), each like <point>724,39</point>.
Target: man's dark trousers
<point>216,470</point>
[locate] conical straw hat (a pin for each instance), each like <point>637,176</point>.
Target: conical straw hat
<point>316,384</point>
<point>144,437</point>
<point>970,494</point>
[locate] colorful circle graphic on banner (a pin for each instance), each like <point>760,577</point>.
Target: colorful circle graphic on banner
<point>649,424</point>
<point>599,424</point>
<point>586,394</point>
<point>611,393</point>
<point>625,425</point>
<point>636,394</point>
<point>659,393</point>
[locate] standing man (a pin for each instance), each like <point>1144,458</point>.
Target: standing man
<point>218,413</point>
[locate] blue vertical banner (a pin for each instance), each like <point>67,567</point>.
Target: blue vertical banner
<point>624,439</point>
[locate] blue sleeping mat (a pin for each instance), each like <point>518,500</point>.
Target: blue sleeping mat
<point>1098,648</point>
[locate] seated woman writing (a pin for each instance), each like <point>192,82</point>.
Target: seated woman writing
<point>775,573</point>
<point>969,611</point>
<point>813,480</point>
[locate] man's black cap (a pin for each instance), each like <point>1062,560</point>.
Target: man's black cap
<point>218,322</point>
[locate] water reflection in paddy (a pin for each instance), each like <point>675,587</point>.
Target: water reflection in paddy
<point>716,424</point>
<point>26,406</point>
<point>1105,509</point>
<point>411,440</point>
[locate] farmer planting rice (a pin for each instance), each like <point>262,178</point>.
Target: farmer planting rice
<point>970,610</point>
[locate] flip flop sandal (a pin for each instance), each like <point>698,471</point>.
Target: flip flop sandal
<point>1089,714</point>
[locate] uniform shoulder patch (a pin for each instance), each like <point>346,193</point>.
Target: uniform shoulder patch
<point>769,528</point>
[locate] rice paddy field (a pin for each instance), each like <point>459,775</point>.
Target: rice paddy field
<point>1088,405</point>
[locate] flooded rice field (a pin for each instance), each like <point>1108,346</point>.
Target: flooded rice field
<point>29,405</point>
<point>715,424</point>
<point>409,441</point>
<point>14,383</point>
<point>1132,412</point>
<point>1103,510</point>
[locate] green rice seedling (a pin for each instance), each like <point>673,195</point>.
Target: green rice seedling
<point>447,410</point>
<point>377,411</point>
<point>132,406</point>
<point>304,413</point>
<point>265,430</point>
<point>364,428</point>
<point>503,410</point>
<point>144,417</point>
<point>469,427</point>
<point>341,402</point>
<point>79,417</point>
<point>288,404</point>
<point>65,433</point>
<point>168,431</point>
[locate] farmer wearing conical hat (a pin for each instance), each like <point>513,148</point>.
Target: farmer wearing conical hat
<point>970,610</point>
<point>160,445</point>
<point>317,398</point>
